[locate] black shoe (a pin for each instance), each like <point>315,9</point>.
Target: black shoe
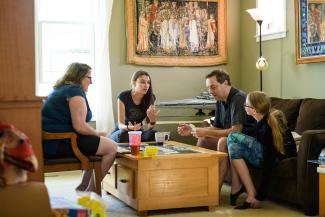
<point>245,205</point>
<point>234,197</point>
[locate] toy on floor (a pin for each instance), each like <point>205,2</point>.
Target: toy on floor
<point>16,156</point>
<point>95,203</point>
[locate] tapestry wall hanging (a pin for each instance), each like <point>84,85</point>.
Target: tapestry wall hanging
<point>176,33</point>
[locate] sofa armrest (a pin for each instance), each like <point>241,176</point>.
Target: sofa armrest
<point>312,142</point>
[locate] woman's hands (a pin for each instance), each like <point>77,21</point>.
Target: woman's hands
<point>152,113</point>
<point>135,126</point>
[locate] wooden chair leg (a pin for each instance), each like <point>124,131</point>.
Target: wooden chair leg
<point>98,177</point>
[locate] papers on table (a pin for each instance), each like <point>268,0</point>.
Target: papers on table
<point>162,149</point>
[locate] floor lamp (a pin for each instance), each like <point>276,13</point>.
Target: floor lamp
<point>261,63</point>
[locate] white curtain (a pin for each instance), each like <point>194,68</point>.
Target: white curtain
<point>103,93</point>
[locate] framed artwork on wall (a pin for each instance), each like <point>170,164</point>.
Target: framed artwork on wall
<point>176,32</point>
<point>310,31</point>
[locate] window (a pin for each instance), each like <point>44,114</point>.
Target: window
<point>274,19</point>
<point>64,34</point>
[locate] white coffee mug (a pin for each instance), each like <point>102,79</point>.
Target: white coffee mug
<point>161,137</point>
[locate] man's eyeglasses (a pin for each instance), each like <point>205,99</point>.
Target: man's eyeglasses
<point>248,106</point>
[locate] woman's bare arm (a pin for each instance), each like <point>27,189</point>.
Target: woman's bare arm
<point>78,111</point>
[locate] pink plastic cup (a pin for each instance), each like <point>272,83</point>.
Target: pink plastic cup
<point>135,149</point>
<point>135,141</point>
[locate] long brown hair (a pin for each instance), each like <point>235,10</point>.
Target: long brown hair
<point>262,104</point>
<point>75,72</point>
<point>147,99</point>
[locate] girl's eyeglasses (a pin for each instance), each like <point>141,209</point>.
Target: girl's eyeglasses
<point>248,106</point>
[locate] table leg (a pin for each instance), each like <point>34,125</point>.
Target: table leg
<point>142,213</point>
<point>212,208</point>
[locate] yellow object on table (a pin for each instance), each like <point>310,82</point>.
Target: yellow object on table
<point>151,150</point>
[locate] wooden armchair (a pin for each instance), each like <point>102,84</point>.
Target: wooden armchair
<point>79,162</point>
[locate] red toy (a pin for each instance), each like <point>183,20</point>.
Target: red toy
<point>16,156</point>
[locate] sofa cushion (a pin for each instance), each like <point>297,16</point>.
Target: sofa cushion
<point>290,107</point>
<point>286,168</point>
<point>311,115</point>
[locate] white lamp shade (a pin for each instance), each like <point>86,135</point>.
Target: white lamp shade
<point>255,13</point>
<point>262,64</point>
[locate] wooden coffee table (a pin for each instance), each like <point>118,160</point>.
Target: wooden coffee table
<point>166,181</point>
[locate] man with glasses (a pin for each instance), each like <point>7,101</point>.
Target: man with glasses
<point>230,116</point>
